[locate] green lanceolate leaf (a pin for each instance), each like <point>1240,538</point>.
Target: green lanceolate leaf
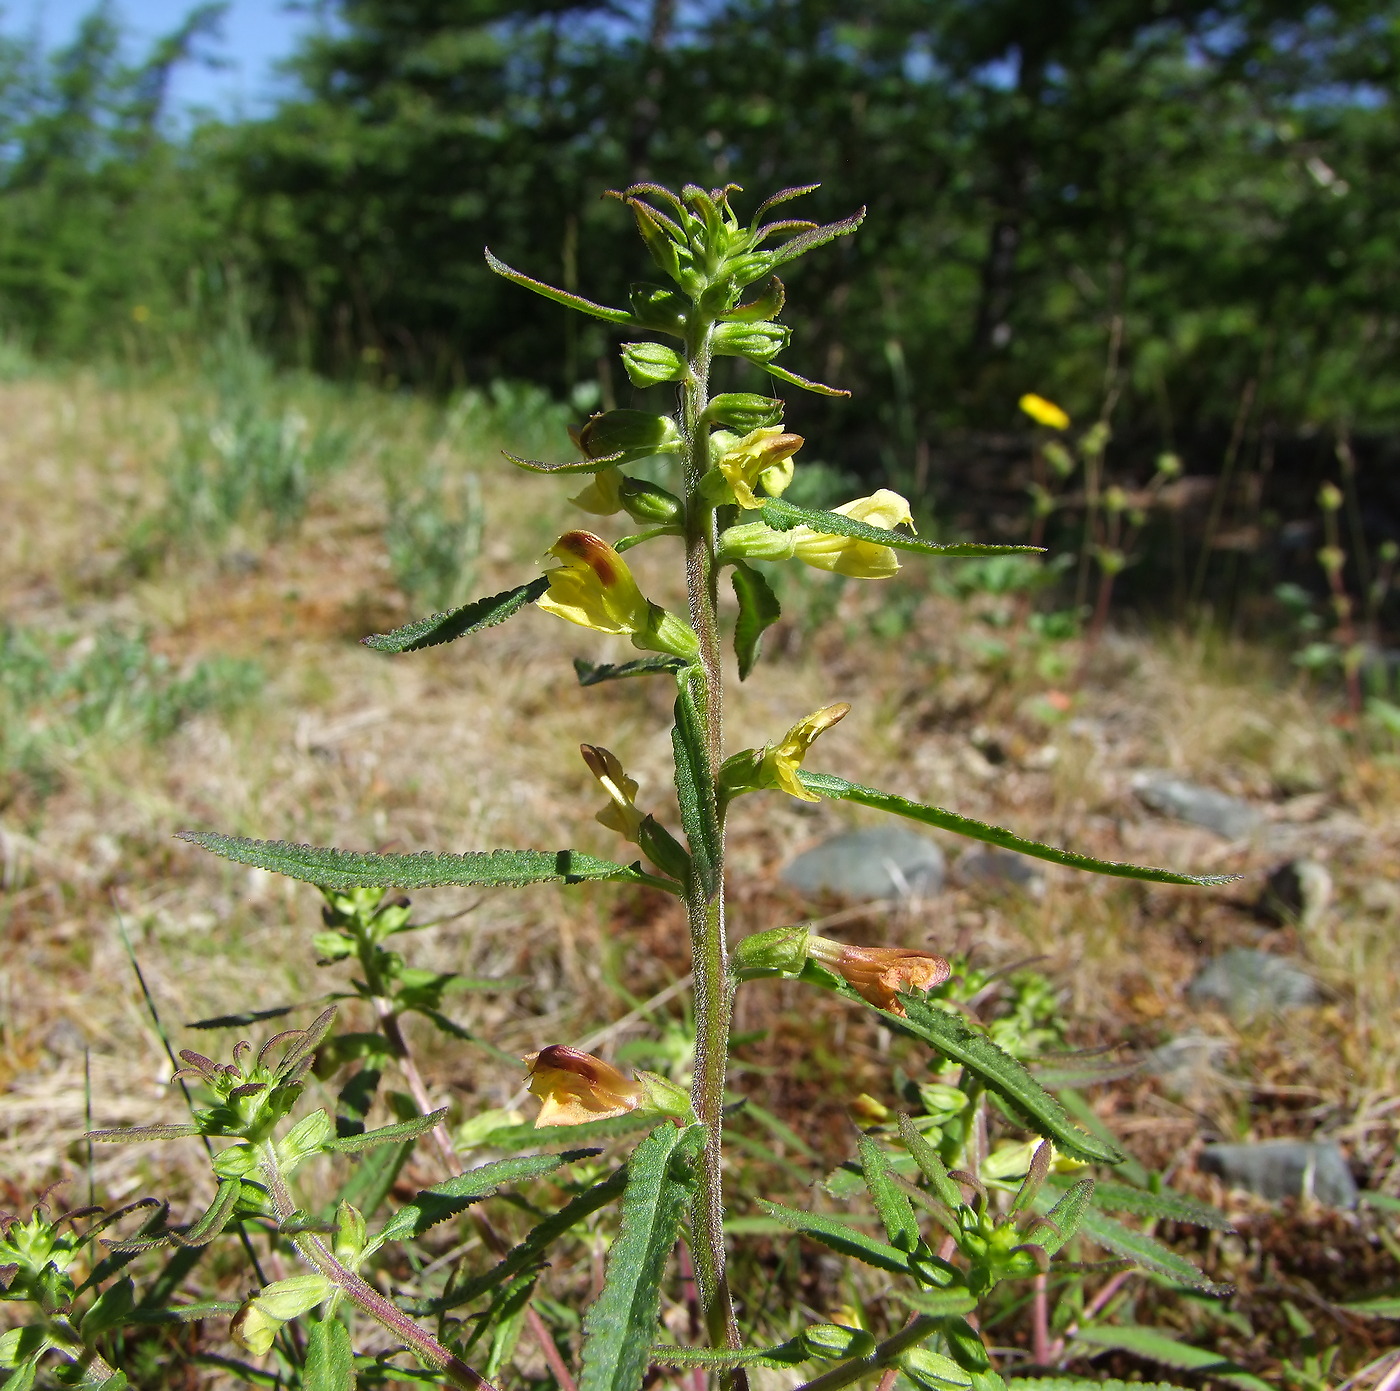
<point>596,464</point>
<point>720,1359</point>
<point>352,869</point>
<point>840,1236</point>
<point>1382,1307</point>
<point>594,674</point>
<point>570,301</point>
<point>694,785</point>
<point>758,609</point>
<point>1172,1206</point>
<point>894,1207</point>
<point>804,383</point>
<point>443,1200</point>
<point>930,1164</point>
<point>997,1070</point>
<point>386,1135</point>
<point>330,1359</point>
<point>1083,1384</point>
<point>784,516</point>
<point>1146,1251</point>
<point>830,786</point>
<point>619,1328</point>
<point>1064,1219</point>
<point>1166,1350</point>
<point>458,623</point>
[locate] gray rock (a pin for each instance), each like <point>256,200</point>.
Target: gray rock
<point>870,864</point>
<point>1296,894</point>
<point>989,867</point>
<point>1244,982</point>
<point>1198,806</point>
<point>1277,1169</point>
<point>1188,1063</point>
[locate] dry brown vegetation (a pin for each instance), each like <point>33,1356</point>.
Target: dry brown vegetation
<point>474,746</point>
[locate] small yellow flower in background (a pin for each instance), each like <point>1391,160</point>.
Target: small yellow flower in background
<point>575,1087</point>
<point>603,495</point>
<point>848,555</point>
<point>763,458</point>
<point>878,974</point>
<point>621,814</point>
<point>1043,412</point>
<point>140,313</point>
<point>781,764</point>
<point>594,588</point>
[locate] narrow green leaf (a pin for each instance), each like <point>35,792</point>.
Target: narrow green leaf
<point>830,786</point>
<point>937,1303</point>
<point>721,1359</point>
<point>353,869</point>
<point>1064,1219</point>
<point>139,1134</point>
<point>111,1309</point>
<point>1146,1251</point>
<point>564,297</point>
<point>1079,1107</point>
<point>530,1251</point>
<point>593,674</point>
<point>894,1207</point>
<point>804,242</point>
<point>758,609</point>
<point>330,1359</point>
<point>444,1200</point>
<point>1160,1347</point>
<point>518,1137</point>
<point>949,1035</point>
<point>1170,1205</point>
<point>1081,1384</point>
<point>1384,1307</point>
<point>805,383</point>
<point>374,1177</point>
<point>388,1134</point>
<point>784,516</point>
<point>840,1236</point>
<point>930,1164</point>
<point>459,623</point>
<point>619,1328</point>
<point>695,785</point>
<point>595,464</point>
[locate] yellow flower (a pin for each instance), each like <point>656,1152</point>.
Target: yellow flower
<point>575,1088</point>
<point>879,974</point>
<point>763,458</point>
<point>1043,412</point>
<point>603,495</point>
<point>781,764</point>
<point>621,814</point>
<point>594,588</point>
<point>848,555</point>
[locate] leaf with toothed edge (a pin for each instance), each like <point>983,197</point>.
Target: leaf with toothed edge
<point>784,516</point>
<point>458,623</point>
<point>564,297</point>
<point>804,383</point>
<point>596,465</point>
<point>351,869</point>
<point>828,785</point>
<point>694,778</point>
<point>758,610</point>
<point>593,674</point>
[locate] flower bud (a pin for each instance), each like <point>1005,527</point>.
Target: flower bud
<point>780,765</point>
<point>624,436</point>
<point>575,1087</point>
<point>660,309</point>
<point>744,410</point>
<point>350,1235</point>
<point>834,1341</point>
<point>1169,465</point>
<point>781,951</point>
<point>621,814</point>
<point>763,458</point>
<point>261,1318</point>
<point>650,364</point>
<point>931,1371</point>
<point>647,503</point>
<point>1329,497</point>
<point>879,974</point>
<point>760,342</point>
<point>1043,412</point>
<point>1059,458</point>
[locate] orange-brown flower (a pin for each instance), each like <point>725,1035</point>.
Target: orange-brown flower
<point>575,1087</point>
<point>878,974</point>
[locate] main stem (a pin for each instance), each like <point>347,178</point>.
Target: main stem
<point>705,911</point>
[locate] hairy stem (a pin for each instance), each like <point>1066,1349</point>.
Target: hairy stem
<point>911,1335</point>
<point>705,911</point>
<point>424,1346</point>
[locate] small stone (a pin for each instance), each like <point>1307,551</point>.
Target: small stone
<point>988,867</point>
<point>1276,1169</point>
<point>1188,1063</point>
<point>1244,983</point>
<point>1198,806</point>
<point>870,864</point>
<point>1296,894</point>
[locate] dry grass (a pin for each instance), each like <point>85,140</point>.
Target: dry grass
<point>474,746</point>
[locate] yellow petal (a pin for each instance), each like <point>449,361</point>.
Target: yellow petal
<point>1044,412</point>
<point>594,588</point>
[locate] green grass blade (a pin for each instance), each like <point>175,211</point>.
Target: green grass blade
<point>353,869</point>
<point>840,1236</point>
<point>387,1134</point>
<point>783,516</point>
<point>949,1035</point>
<point>1147,1252</point>
<point>894,1207</point>
<point>758,610</point>
<point>829,786</point>
<point>459,623</point>
<point>620,1327</point>
<point>1166,1350</point>
<point>1383,1307</point>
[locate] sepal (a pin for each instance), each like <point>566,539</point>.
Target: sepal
<point>650,364</point>
<point>625,436</point>
<point>758,342</point>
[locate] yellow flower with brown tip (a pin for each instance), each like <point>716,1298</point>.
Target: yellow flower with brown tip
<point>880,974</point>
<point>1043,412</point>
<point>575,1087</point>
<point>593,587</point>
<point>781,764</point>
<point>763,458</point>
<point>621,814</point>
<point>849,555</point>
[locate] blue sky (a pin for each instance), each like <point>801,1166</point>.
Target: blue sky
<point>256,33</point>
